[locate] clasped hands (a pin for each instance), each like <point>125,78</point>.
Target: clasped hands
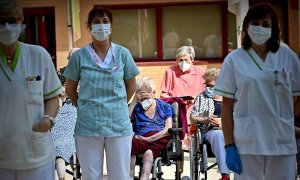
<point>214,121</point>
<point>146,139</point>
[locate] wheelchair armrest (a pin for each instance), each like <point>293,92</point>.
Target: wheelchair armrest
<point>172,130</point>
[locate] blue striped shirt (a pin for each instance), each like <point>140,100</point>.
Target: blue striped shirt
<point>102,100</point>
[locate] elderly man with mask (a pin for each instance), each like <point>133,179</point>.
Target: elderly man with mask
<point>28,102</point>
<point>183,79</point>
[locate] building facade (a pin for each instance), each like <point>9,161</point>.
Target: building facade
<point>151,29</point>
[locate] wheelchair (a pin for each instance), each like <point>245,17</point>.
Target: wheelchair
<point>200,150</point>
<point>75,167</point>
<point>172,153</point>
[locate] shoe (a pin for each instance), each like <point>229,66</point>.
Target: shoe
<point>186,144</point>
<point>225,177</point>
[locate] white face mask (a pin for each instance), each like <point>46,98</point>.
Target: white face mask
<point>258,34</point>
<point>147,103</point>
<point>101,32</point>
<point>9,34</point>
<point>184,66</point>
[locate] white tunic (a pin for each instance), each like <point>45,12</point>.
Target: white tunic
<point>22,105</point>
<point>263,93</point>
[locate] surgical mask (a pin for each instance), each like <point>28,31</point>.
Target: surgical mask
<point>9,34</point>
<point>184,66</point>
<point>101,32</point>
<point>258,34</point>
<point>210,92</point>
<point>147,103</point>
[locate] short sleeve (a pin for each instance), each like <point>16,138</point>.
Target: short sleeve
<point>52,85</point>
<point>196,108</point>
<point>226,83</point>
<point>130,68</point>
<point>165,84</point>
<point>72,70</point>
<point>168,110</point>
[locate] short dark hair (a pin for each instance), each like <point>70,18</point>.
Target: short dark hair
<point>259,11</point>
<point>99,11</point>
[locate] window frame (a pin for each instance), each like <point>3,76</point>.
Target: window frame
<point>159,36</point>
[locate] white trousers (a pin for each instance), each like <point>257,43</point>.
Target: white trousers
<point>260,167</point>
<point>46,172</point>
<point>90,152</point>
<point>216,140</point>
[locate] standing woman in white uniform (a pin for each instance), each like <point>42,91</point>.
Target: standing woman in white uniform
<point>106,72</point>
<point>259,83</point>
<point>29,89</point>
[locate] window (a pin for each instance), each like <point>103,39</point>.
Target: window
<point>155,32</point>
<point>136,30</point>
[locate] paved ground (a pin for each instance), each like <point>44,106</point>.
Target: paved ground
<point>169,171</point>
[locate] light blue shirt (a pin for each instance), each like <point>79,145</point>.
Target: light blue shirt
<point>102,101</point>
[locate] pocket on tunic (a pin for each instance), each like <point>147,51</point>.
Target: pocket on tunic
<point>285,130</point>
<point>244,130</point>
<point>282,85</point>
<point>35,92</point>
<point>40,143</point>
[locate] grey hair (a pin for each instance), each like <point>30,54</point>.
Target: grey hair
<point>11,6</point>
<point>186,50</point>
<point>211,74</point>
<point>148,81</point>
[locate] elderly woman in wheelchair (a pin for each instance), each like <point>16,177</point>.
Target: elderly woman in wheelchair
<point>151,118</point>
<point>206,114</point>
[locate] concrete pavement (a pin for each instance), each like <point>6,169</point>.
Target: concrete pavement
<point>169,171</point>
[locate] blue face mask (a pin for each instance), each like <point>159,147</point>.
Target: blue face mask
<point>210,92</point>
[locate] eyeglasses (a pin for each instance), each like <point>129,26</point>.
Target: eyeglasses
<point>10,21</point>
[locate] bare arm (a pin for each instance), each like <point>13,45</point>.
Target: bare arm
<point>132,105</point>
<point>51,109</point>
<point>130,87</point>
<point>227,120</point>
<point>164,95</point>
<point>71,90</point>
<point>297,132</point>
<point>163,133</point>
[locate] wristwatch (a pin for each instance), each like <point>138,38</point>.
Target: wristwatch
<point>52,119</point>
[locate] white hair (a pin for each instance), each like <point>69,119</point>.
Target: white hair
<point>145,81</point>
<point>189,50</point>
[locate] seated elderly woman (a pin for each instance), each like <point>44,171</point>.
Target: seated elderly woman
<point>151,118</point>
<point>207,112</point>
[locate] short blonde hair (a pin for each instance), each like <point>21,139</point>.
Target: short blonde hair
<point>211,74</point>
<point>148,81</point>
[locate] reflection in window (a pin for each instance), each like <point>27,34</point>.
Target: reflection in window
<point>232,32</point>
<point>136,30</point>
<point>200,28</point>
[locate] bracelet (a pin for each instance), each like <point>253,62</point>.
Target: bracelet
<point>229,145</point>
<point>52,119</point>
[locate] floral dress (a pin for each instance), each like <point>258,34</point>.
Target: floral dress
<point>63,131</point>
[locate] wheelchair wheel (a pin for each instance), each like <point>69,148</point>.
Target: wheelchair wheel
<point>76,168</point>
<point>194,157</point>
<point>204,161</point>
